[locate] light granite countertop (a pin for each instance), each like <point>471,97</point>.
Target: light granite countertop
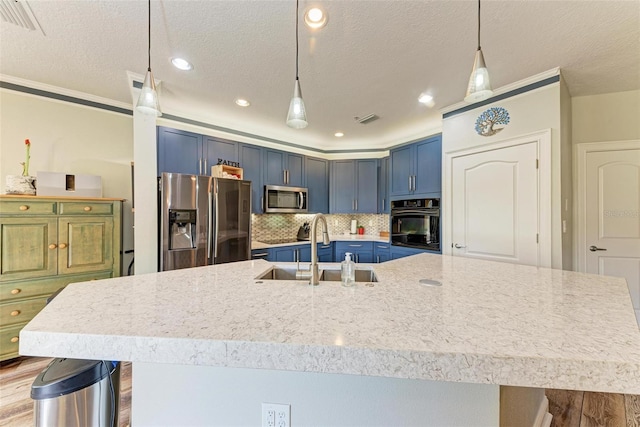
<point>255,244</point>
<point>489,323</point>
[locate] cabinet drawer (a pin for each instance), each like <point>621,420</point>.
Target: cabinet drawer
<point>35,287</point>
<point>20,311</point>
<point>354,246</point>
<point>27,207</point>
<point>9,341</point>
<point>88,208</point>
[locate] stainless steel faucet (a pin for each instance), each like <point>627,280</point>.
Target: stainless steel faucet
<point>314,274</point>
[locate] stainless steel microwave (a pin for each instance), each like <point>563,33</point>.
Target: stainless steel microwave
<point>282,199</point>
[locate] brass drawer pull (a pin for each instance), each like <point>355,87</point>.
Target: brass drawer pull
<point>63,245</point>
<point>15,291</point>
<point>14,339</point>
<point>87,208</point>
<point>14,313</point>
<point>53,246</point>
<point>24,208</point>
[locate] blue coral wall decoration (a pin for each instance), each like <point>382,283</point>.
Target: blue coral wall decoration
<point>487,122</point>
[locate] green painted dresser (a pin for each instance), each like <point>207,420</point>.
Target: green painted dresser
<point>47,243</point>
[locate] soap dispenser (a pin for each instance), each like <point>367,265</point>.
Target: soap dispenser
<point>348,271</point>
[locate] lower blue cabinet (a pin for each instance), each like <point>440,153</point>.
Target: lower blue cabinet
<point>264,254</point>
<point>362,251</point>
<point>382,252</point>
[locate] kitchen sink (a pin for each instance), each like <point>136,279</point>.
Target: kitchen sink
<point>326,275</point>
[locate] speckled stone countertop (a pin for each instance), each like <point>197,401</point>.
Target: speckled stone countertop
<point>489,323</point>
<point>334,238</point>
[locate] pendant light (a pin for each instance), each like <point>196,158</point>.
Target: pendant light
<point>479,87</point>
<point>148,101</point>
<point>297,117</point>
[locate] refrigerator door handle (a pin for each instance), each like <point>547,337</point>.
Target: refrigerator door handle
<point>209,224</point>
<point>215,241</point>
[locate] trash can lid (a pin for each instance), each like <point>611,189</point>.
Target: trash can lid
<point>64,376</point>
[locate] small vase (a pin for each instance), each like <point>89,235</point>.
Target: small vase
<point>19,184</point>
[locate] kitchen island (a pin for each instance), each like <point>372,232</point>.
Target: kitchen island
<point>209,344</point>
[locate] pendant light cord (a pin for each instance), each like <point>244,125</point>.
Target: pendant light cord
<point>149,27</point>
<point>478,24</point>
<point>297,6</point>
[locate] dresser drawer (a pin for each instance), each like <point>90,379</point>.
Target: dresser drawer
<point>9,341</point>
<point>21,289</point>
<point>27,207</point>
<point>20,311</point>
<point>86,208</point>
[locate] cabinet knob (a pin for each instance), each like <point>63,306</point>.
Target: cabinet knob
<point>53,246</point>
<point>87,208</point>
<point>24,208</point>
<point>14,339</point>
<point>14,313</point>
<point>15,291</point>
<point>63,245</point>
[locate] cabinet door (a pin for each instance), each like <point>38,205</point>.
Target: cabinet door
<point>342,191</point>
<point>367,186</point>
<point>273,167</point>
<point>325,253</point>
<point>251,164</point>
<point>382,252</point>
<point>294,165</point>
<point>401,170</point>
<point>260,254</point>
<point>286,254</point>
<point>428,166</point>
<point>317,171</point>
<point>85,244</point>
<point>304,253</point>
<point>179,151</point>
<point>28,247</point>
<point>383,186</point>
<point>217,150</point>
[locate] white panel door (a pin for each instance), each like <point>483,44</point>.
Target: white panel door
<point>612,217</point>
<point>495,205</point>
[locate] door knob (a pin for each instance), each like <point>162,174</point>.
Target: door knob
<point>595,248</point>
<point>62,245</point>
<point>457,246</point>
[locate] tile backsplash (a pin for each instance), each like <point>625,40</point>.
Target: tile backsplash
<point>284,226</point>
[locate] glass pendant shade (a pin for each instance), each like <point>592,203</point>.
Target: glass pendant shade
<point>297,117</point>
<point>148,101</point>
<point>479,87</point>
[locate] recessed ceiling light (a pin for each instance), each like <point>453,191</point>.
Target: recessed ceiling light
<point>181,64</point>
<point>315,18</point>
<point>338,134</point>
<point>426,99</point>
<point>242,102</point>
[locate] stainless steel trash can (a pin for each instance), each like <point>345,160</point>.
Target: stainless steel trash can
<point>77,393</point>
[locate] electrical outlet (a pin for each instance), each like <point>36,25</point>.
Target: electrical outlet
<point>370,223</point>
<point>335,222</point>
<point>276,415</point>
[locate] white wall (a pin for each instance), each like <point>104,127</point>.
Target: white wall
<point>69,138</point>
<point>606,117</point>
<point>529,112</point>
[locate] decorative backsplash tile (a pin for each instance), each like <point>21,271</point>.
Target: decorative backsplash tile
<point>284,226</point>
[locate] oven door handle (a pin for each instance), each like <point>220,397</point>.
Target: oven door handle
<point>415,211</point>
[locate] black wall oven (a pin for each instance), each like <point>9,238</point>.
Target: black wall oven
<point>416,223</point>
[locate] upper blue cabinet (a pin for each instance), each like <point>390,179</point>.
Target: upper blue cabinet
<point>317,174</point>
<point>218,151</point>
<point>282,168</point>
<point>415,169</point>
<point>354,186</point>
<point>383,186</point>
<point>251,164</point>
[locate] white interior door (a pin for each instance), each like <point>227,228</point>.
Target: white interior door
<point>609,244</point>
<point>494,205</point>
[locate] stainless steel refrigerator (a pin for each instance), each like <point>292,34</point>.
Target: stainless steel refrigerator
<point>203,220</point>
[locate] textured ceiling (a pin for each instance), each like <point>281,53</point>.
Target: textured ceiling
<point>372,57</point>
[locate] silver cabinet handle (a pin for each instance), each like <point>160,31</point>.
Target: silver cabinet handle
<point>383,203</point>
<point>355,246</point>
<point>353,204</point>
<point>261,254</point>
<point>457,246</point>
<point>284,176</point>
<point>204,170</point>
<point>357,258</point>
<point>409,182</point>
<point>595,248</point>
<point>356,204</point>
<point>378,259</point>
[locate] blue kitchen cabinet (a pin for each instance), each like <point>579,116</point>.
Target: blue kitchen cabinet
<point>415,169</point>
<point>381,252</point>
<point>261,254</point>
<point>354,186</point>
<point>282,168</point>
<point>401,252</point>
<point>362,251</point>
<point>383,187</point>
<point>325,253</point>
<point>317,182</point>
<point>216,150</point>
<point>179,151</point>
<point>284,254</point>
<point>250,157</point>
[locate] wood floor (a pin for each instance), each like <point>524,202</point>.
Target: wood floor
<point>569,408</point>
<point>16,377</point>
